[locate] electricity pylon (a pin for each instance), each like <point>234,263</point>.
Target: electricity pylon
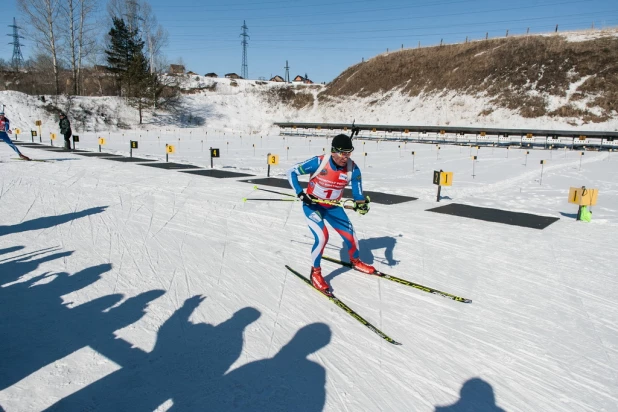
<point>244,71</point>
<point>18,58</point>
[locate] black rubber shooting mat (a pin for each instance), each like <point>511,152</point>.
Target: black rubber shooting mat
<point>496,215</point>
<point>170,166</point>
<point>20,143</point>
<point>96,154</point>
<point>129,159</point>
<point>60,149</point>
<point>216,173</point>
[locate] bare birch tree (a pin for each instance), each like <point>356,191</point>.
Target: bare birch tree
<point>79,35</point>
<point>43,18</point>
<point>156,36</point>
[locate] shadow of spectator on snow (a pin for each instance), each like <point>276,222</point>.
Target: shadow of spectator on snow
<point>11,249</point>
<point>476,395</point>
<point>14,268</point>
<point>48,221</point>
<point>185,364</point>
<point>38,328</point>
<point>286,382</point>
<point>186,371</point>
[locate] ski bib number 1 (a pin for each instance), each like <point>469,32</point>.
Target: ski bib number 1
<point>326,194</point>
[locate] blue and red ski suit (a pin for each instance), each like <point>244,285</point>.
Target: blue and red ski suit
<point>5,127</point>
<point>328,184</point>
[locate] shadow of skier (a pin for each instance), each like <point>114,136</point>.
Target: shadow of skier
<point>366,248</point>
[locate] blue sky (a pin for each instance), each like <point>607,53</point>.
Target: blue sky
<point>321,38</point>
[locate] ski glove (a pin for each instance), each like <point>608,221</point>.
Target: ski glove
<point>362,208</point>
<point>304,197</point>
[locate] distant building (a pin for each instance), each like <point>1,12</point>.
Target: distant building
<point>302,79</point>
<point>190,73</point>
<point>211,75</point>
<point>232,76</point>
<point>277,78</point>
<point>176,69</point>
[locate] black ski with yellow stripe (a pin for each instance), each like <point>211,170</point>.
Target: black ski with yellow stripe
<point>346,308</point>
<point>404,282</point>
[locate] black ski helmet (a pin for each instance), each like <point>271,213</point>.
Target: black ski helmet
<point>342,143</point>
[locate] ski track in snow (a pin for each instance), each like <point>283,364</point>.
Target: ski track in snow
<point>540,330</point>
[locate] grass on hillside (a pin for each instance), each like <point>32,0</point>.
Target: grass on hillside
<point>518,73</point>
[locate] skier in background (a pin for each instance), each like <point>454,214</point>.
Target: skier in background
<point>329,176</point>
<point>5,130</point>
<point>65,130</point>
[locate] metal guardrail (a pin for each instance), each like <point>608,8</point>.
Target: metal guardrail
<point>455,135</point>
<point>592,134</point>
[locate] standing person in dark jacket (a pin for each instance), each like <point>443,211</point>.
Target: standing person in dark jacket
<point>65,129</point>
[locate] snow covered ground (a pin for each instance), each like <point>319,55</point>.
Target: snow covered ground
<point>125,287</point>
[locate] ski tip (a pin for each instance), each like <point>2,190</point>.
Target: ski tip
<point>244,199</point>
<point>467,301</point>
<point>255,187</point>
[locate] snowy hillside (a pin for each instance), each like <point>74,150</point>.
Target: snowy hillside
<point>125,287</point>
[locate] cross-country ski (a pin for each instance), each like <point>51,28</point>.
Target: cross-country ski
<point>404,282</point>
<point>346,308</point>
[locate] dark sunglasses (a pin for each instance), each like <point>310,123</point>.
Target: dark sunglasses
<point>340,150</point>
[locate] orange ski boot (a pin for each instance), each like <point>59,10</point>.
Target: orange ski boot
<point>318,281</point>
<point>362,267</point>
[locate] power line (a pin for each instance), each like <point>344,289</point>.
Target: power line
<point>552,20</point>
<point>349,20</point>
<point>266,44</point>
<point>341,39</point>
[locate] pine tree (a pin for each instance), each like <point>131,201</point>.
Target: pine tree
<point>124,45</point>
<point>145,88</point>
<point>140,85</point>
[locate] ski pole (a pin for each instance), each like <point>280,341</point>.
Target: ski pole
<point>324,202</point>
<point>338,204</point>
<point>327,202</point>
<point>272,200</point>
<point>273,191</point>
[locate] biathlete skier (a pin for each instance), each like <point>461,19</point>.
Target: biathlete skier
<point>5,130</point>
<point>330,174</point>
